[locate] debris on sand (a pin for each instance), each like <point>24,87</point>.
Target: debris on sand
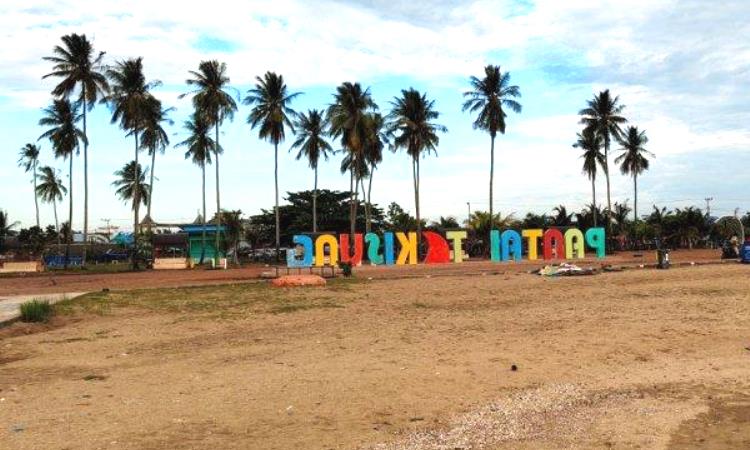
<point>565,269</point>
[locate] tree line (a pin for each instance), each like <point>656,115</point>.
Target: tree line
<point>353,122</point>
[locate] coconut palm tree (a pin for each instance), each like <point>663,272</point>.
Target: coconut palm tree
<point>6,228</point>
<point>28,160</point>
<point>411,123</point>
<point>271,113</point>
<point>210,98</point>
<point>347,121</point>
<point>199,146</point>
<point>603,115</point>
<point>80,68</point>
<point>131,184</point>
<point>311,129</point>
<point>488,97</point>
<point>51,190</point>
<point>65,137</point>
<point>377,139</point>
<point>131,103</point>
<point>633,160</point>
<point>591,143</point>
<point>561,218</point>
<point>153,139</point>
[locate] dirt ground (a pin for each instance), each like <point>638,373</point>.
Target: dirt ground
<point>49,283</point>
<point>635,359</point>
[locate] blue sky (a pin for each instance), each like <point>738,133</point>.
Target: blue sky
<point>682,76</point>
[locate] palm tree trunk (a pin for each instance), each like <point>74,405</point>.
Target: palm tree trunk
<point>70,213</point>
<point>593,198</point>
<point>419,214</point>
<point>85,172</point>
<point>315,202</point>
<point>136,203</point>
<point>606,174</point>
<point>367,206</point>
<point>635,197</point>
<point>415,175</point>
<point>218,198</point>
<point>492,176</point>
<point>276,204</point>
<point>369,198</point>
<point>36,199</point>
<point>57,224</point>
<point>203,216</point>
<point>151,191</point>
<point>352,215</point>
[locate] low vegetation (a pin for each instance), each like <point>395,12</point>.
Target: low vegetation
<point>36,311</point>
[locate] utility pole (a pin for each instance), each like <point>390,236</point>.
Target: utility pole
<point>708,206</point>
<point>109,229</point>
<point>468,205</point>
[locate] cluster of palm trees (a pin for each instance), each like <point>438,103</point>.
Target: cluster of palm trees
<point>603,121</point>
<point>352,119</point>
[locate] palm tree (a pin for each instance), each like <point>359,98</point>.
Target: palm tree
<point>347,119</point>
<point>131,184</point>
<point>488,97</point>
<point>28,160</point>
<point>51,190</point>
<point>211,99</point>
<point>79,67</point>
<point>64,136</point>
<point>153,139</point>
<point>271,113</point>
<point>6,228</point>
<point>131,103</point>
<point>199,147</point>
<point>561,218</point>
<point>311,129</point>
<point>603,116</point>
<point>591,143</point>
<point>633,160</point>
<point>411,122</point>
<point>377,139</point>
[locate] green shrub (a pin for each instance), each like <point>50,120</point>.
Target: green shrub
<point>36,311</point>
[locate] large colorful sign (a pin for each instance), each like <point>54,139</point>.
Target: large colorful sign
<point>505,246</point>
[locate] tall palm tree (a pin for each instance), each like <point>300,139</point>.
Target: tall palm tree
<point>633,160</point>
<point>131,184</point>
<point>311,129</point>
<point>51,190</point>
<point>271,113</point>
<point>603,115</point>
<point>210,97</point>
<point>488,97</point>
<point>64,136</point>
<point>199,148</point>
<point>347,119</point>
<point>377,139</point>
<point>131,102</point>
<point>591,143</point>
<point>79,67</point>
<point>411,122</point>
<point>28,160</point>
<point>153,139</point>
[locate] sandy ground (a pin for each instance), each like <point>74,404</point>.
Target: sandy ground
<point>48,283</point>
<point>636,359</point>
